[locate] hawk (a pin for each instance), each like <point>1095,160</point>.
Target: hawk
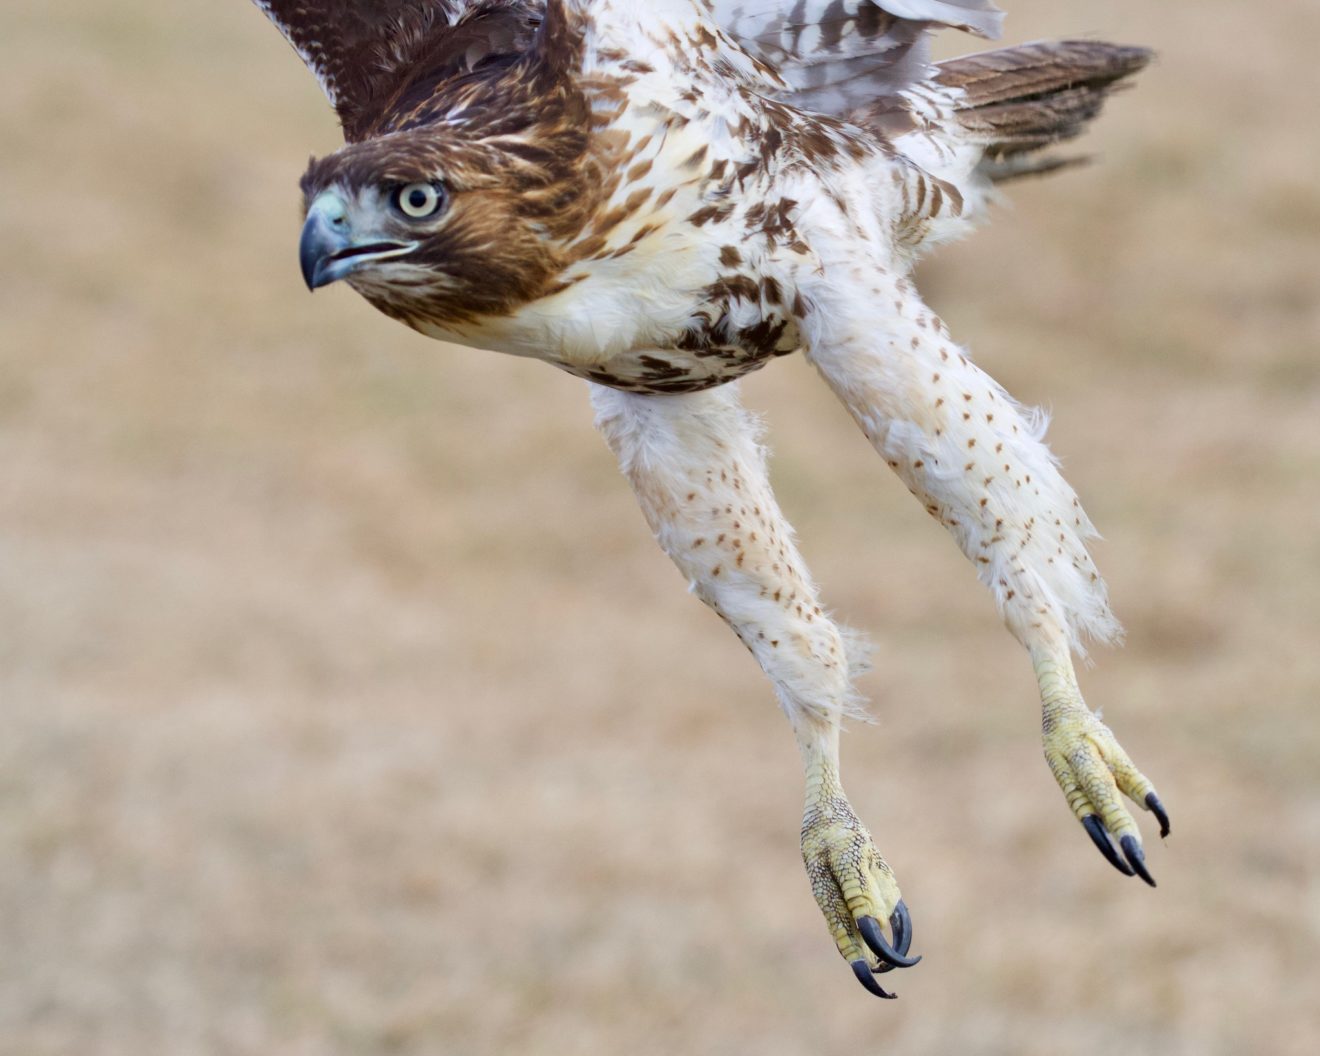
<point>660,196</point>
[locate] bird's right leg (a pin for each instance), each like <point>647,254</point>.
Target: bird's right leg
<point>699,473</point>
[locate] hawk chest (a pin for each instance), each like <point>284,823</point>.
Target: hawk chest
<point>739,323</point>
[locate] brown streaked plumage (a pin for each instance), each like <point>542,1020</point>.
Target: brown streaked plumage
<point>662,195</point>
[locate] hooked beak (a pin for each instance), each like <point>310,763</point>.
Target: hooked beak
<point>328,250</point>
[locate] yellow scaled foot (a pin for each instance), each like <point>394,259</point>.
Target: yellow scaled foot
<point>853,884</point>
<point>1092,769</point>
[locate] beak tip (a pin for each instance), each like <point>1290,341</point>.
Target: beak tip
<point>319,240</point>
<point>311,260</point>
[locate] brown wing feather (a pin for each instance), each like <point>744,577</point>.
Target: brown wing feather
<point>369,54</point>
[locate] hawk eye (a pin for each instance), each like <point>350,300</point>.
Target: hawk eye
<point>417,201</point>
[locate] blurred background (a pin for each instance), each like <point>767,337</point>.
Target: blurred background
<point>348,706</point>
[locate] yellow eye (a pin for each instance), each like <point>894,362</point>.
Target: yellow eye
<point>417,201</point>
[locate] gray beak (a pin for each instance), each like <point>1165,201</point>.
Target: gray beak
<point>328,251</point>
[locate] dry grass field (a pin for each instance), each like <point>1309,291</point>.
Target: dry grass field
<point>350,709</point>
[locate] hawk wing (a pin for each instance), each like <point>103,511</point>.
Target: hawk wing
<point>840,54</point>
<point>367,53</point>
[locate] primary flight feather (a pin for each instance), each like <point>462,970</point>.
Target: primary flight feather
<point>660,196</point>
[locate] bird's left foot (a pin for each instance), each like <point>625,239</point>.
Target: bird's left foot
<point>1092,769</point>
<point>855,889</point>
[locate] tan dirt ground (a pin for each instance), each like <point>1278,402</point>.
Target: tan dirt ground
<point>349,707</point>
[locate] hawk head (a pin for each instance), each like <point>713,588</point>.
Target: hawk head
<point>442,221</point>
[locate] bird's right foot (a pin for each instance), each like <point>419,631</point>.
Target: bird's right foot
<point>855,888</point>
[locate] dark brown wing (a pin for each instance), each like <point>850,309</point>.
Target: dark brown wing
<point>367,53</point>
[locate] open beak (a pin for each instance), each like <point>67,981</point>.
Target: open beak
<point>328,250</point>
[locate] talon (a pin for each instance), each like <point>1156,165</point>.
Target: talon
<point>875,938</point>
<point>1096,830</point>
<point>901,922</point>
<point>1138,859</point>
<point>864,976</point>
<point>1154,805</point>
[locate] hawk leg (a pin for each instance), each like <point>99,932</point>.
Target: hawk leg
<point>698,470</point>
<point>977,461</point>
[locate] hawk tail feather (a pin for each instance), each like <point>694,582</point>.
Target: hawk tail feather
<point>1015,102</point>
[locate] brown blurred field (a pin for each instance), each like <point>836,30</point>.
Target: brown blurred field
<point>349,707</point>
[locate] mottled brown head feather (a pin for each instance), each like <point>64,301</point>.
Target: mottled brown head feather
<point>510,141</point>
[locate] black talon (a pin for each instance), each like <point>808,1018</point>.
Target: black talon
<point>864,976</point>
<point>901,922</point>
<point>1154,805</point>
<point>1096,830</point>
<point>875,938</point>
<point>1138,859</point>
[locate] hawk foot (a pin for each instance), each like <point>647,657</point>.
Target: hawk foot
<point>855,889</point>
<point>1092,769</point>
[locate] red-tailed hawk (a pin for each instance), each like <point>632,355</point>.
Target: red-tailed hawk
<point>662,195</point>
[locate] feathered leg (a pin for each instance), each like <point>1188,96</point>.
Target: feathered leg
<point>977,462</point>
<point>699,473</point>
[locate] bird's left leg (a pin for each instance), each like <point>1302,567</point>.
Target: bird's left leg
<point>977,462</point>
<point>698,470</point>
